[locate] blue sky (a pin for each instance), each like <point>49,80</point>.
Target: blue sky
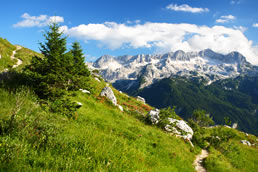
<point>119,27</point>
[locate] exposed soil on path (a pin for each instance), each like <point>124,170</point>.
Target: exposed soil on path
<point>19,62</point>
<point>198,163</point>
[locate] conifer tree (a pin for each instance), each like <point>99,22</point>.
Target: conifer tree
<point>50,74</point>
<point>78,68</point>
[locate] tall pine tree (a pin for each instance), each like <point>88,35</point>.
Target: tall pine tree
<point>58,71</point>
<point>78,68</point>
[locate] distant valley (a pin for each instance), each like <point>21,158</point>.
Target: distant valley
<point>223,85</point>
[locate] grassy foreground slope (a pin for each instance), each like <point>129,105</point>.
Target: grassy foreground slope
<point>227,153</point>
<point>99,138</point>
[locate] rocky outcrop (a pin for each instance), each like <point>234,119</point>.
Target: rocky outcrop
<point>245,142</point>
<point>79,104</point>
<point>84,91</point>
<point>144,70</point>
<point>153,116</point>
<point>177,127</point>
<point>139,98</point>
<point>120,108</point>
<point>180,127</point>
<point>234,126</point>
<point>97,79</point>
<point>109,94</point>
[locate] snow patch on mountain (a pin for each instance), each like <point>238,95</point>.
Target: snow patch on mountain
<point>146,69</point>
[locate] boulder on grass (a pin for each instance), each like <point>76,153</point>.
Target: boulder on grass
<point>140,99</point>
<point>84,91</point>
<point>181,127</point>
<point>120,107</point>
<point>177,127</point>
<point>109,94</point>
<point>153,116</point>
<point>245,142</point>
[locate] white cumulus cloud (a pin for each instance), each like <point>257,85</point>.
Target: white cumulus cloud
<point>186,8</point>
<point>37,21</point>
<point>165,37</point>
<point>255,25</point>
<point>241,28</point>
<point>225,19</point>
<point>233,2</point>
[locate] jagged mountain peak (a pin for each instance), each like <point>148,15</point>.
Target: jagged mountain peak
<point>205,64</point>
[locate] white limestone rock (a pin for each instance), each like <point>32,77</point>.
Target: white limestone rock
<point>79,103</point>
<point>234,125</point>
<point>245,142</point>
<point>84,91</point>
<point>153,115</point>
<point>97,79</point>
<point>120,107</point>
<point>139,98</point>
<point>177,127</point>
<point>109,94</point>
<point>181,125</point>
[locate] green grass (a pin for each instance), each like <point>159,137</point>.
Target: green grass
<point>26,55</point>
<point>102,138</point>
<point>232,155</point>
<point>99,138</point>
<point>6,49</point>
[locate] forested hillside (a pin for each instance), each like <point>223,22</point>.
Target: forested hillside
<point>234,98</point>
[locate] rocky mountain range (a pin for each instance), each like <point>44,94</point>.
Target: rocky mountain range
<point>222,85</point>
<point>143,70</point>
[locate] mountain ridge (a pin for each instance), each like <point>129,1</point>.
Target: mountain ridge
<point>224,85</point>
<point>207,64</point>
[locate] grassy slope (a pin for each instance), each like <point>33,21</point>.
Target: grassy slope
<point>26,55</point>
<point>232,155</point>
<point>183,93</point>
<point>6,50</point>
<point>100,138</point>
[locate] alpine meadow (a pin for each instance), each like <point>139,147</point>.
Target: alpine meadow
<point>132,86</point>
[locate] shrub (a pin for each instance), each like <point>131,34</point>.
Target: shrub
<point>164,115</point>
<point>202,118</point>
<point>64,106</point>
<point>220,135</point>
<point>198,137</point>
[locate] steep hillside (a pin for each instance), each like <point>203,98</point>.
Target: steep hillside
<point>99,137</point>
<point>6,52</point>
<point>37,135</point>
<point>25,55</point>
<point>233,98</point>
<point>223,85</point>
